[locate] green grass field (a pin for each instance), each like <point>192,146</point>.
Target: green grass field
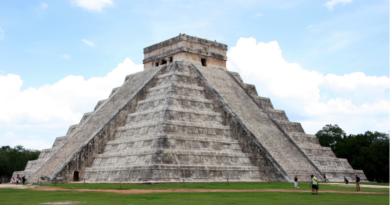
<point>235,185</point>
<point>28,196</point>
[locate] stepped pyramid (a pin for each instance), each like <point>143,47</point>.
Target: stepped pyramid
<point>185,117</point>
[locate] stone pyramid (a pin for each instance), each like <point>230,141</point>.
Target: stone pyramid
<point>185,117</point>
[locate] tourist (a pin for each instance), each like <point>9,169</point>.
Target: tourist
<point>296,181</point>
<point>24,179</point>
<point>314,184</point>
<point>12,180</point>
<point>357,183</point>
<point>346,180</point>
<point>17,179</point>
<point>325,178</point>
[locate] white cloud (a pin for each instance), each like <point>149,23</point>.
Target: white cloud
<point>56,106</point>
<point>92,5</point>
<point>257,15</point>
<point>66,56</point>
<point>1,34</point>
<point>90,43</point>
<point>43,6</point>
<point>310,26</point>
<point>301,92</point>
<point>29,142</point>
<point>332,3</point>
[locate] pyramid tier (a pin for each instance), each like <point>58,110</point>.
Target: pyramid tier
<point>323,157</point>
<point>173,142</point>
<point>181,77</point>
<point>175,113</point>
<point>172,173</point>
<point>152,156</point>
<point>177,127</point>
<point>277,114</point>
<point>177,88</point>
<point>179,101</point>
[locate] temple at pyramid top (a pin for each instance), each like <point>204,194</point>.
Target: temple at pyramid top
<point>186,48</point>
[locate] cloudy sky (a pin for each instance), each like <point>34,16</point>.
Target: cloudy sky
<point>322,61</point>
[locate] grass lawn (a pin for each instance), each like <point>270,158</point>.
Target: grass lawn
<point>235,185</point>
<point>372,183</point>
<point>27,196</point>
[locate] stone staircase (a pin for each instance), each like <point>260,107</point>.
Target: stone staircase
<point>175,134</point>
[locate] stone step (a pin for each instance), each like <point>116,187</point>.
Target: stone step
<point>318,151</point>
<point>175,113</point>
<point>167,143</point>
<point>200,105</point>
<point>184,157</point>
<point>60,141</point>
<point>72,129</point>
<point>288,126</point>
<point>277,114</point>
<point>183,78</point>
<point>114,90</point>
<point>175,85</point>
<point>160,151</point>
<point>85,117</point>
<point>46,153</point>
<point>100,103</point>
<point>168,126</point>
<point>175,109</point>
<point>176,88</point>
<point>173,173</point>
<point>128,77</point>
<point>173,137</point>
<point>33,165</point>
<point>177,74</point>
<point>264,102</point>
<point>173,96</point>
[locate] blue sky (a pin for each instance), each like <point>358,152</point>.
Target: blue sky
<point>340,47</point>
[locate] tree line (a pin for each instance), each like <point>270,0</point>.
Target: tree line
<point>15,159</point>
<point>368,151</point>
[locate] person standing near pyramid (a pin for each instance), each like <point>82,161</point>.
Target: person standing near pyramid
<point>296,181</point>
<point>357,183</point>
<point>314,184</point>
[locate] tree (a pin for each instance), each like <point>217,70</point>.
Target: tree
<point>368,152</point>
<point>330,135</point>
<point>15,159</point>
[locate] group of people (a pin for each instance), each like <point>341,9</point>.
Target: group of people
<point>314,184</point>
<point>18,179</point>
<point>357,180</point>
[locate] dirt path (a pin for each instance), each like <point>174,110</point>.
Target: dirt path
<point>147,191</point>
<point>361,185</point>
<point>17,186</point>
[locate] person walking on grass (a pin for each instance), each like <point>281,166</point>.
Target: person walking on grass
<point>296,182</point>
<point>357,183</point>
<point>324,177</point>
<point>346,180</point>
<point>314,184</point>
